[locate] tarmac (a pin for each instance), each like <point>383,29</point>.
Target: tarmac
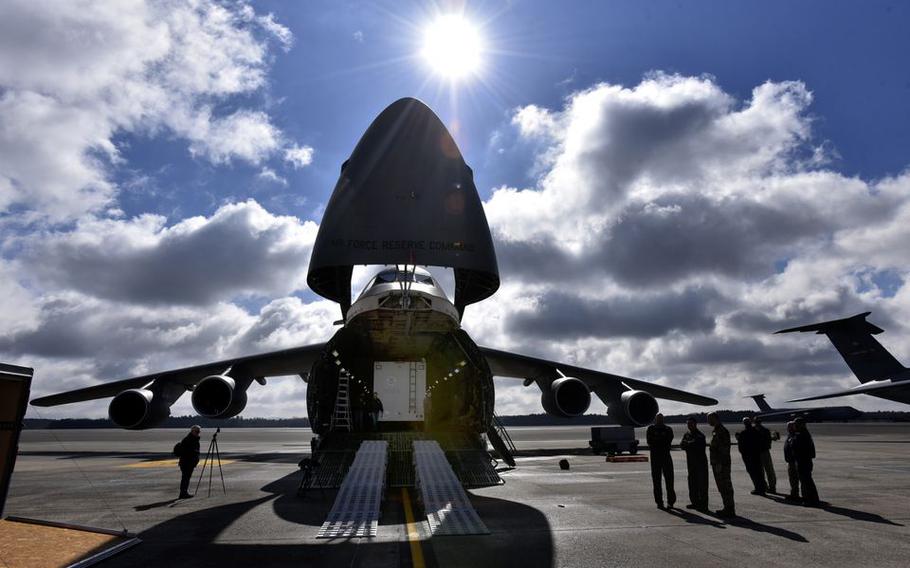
<point>594,514</point>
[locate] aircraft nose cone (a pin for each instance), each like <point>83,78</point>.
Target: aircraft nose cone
<point>407,130</point>
<point>405,196</point>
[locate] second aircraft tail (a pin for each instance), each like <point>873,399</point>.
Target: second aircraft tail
<point>761,402</point>
<point>852,337</point>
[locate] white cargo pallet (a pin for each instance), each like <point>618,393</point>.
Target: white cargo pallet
<point>448,509</point>
<point>355,512</point>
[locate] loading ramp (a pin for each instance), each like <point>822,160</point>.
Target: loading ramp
<point>448,509</point>
<point>355,512</point>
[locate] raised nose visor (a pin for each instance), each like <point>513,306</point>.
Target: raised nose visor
<point>405,196</point>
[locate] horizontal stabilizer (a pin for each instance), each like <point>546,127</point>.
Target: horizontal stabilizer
<point>854,323</point>
<point>880,388</point>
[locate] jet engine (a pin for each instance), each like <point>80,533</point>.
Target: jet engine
<point>220,396</point>
<point>137,409</point>
<point>567,397</point>
<point>634,408</point>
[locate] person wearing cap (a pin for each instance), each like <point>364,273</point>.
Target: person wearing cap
<point>790,458</point>
<point>660,437</point>
<point>767,464</point>
<point>804,452</point>
<point>719,456</point>
<point>693,443</point>
<point>749,444</point>
<point>189,459</point>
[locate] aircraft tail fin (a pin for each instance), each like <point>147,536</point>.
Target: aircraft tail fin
<point>852,337</point>
<point>761,402</point>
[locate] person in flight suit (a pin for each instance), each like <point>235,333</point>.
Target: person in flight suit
<point>767,464</point>
<point>719,453</point>
<point>790,458</point>
<point>659,437</point>
<point>804,452</point>
<point>375,411</point>
<point>750,445</point>
<point>694,443</point>
<point>189,459</point>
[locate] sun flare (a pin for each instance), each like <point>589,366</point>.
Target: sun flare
<point>452,47</point>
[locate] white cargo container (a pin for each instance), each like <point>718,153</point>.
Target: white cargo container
<point>401,386</point>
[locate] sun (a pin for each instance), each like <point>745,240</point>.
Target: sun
<point>452,47</point>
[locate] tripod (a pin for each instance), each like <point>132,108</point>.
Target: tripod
<point>213,449</point>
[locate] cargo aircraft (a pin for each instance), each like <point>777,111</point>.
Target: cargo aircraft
<point>818,414</point>
<point>879,372</point>
<point>405,200</point>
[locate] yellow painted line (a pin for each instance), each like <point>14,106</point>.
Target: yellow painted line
<point>168,463</point>
<point>413,532</point>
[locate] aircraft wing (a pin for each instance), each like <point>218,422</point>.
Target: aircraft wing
<point>873,387</point>
<point>277,363</point>
<point>605,385</point>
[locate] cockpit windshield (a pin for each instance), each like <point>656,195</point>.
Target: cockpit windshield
<point>392,275</point>
<point>387,276</point>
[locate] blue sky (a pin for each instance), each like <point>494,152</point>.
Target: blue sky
<point>330,85</point>
<point>667,182</point>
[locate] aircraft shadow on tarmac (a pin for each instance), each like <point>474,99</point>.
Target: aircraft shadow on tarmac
<point>191,539</point>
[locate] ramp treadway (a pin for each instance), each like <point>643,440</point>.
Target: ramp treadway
<point>448,509</point>
<point>356,508</point>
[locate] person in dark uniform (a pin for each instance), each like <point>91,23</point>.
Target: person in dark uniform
<point>719,452</point>
<point>693,442</point>
<point>189,458</point>
<point>750,446</point>
<point>375,411</point>
<point>804,452</point>
<point>790,458</point>
<point>767,464</point>
<point>659,437</point>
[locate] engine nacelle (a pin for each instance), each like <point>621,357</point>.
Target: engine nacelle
<point>137,409</point>
<point>567,397</point>
<point>220,396</point>
<point>634,408</point>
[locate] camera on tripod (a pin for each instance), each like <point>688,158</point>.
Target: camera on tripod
<point>211,457</point>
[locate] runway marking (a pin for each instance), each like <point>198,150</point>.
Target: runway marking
<point>413,531</point>
<point>165,463</point>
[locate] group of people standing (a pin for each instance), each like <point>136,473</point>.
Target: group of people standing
<point>754,443</point>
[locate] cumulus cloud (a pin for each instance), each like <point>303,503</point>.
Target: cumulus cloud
<point>268,174</point>
<point>16,302</point>
<point>74,76</point>
<point>672,228</point>
<point>299,156</point>
<point>242,249</point>
<point>558,314</point>
<point>81,340</point>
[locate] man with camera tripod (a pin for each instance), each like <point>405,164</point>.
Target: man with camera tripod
<point>189,458</point>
